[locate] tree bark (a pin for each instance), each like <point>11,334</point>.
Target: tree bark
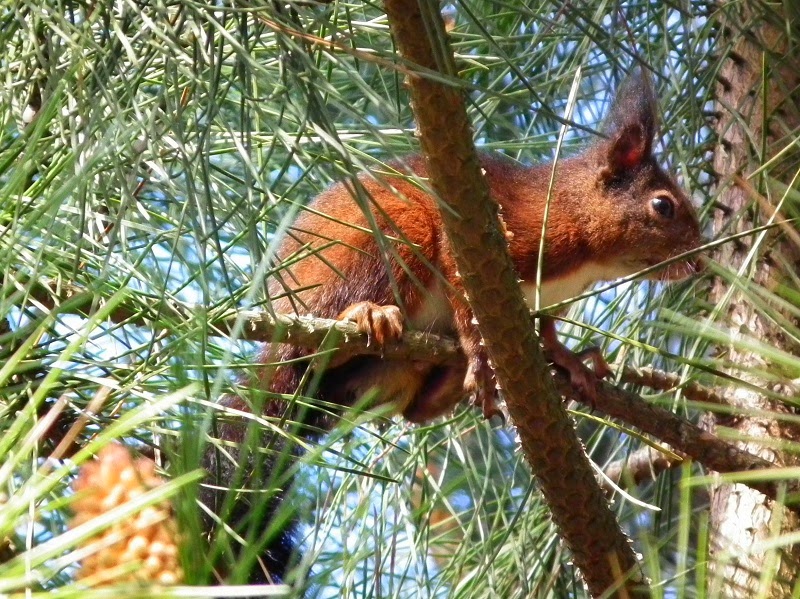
<point>758,109</point>
<point>578,506</point>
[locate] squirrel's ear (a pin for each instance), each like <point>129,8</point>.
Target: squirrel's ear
<point>630,125</point>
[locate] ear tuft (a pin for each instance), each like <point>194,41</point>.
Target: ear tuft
<point>630,125</point>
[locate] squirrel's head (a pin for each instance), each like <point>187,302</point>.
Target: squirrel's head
<point>643,207</point>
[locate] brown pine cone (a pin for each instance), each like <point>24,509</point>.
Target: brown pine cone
<point>139,548</point>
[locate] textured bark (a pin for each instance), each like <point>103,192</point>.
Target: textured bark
<point>579,507</point>
<point>752,127</point>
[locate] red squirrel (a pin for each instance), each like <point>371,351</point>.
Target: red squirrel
<point>612,212</point>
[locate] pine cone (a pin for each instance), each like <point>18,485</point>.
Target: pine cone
<point>140,548</point>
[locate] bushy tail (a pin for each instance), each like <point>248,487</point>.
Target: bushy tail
<point>249,471</point>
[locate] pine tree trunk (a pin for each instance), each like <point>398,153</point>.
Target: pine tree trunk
<point>758,106</point>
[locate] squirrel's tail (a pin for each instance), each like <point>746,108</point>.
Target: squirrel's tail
<point>247,466</point>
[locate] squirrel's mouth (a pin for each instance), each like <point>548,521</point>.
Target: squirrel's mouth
<point>675,271</point>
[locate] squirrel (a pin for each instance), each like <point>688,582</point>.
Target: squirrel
<point>613,211</point>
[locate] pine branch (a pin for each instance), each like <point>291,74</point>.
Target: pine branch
<point>628,408</point>
<point>578,506</point>
<point>680,434</point>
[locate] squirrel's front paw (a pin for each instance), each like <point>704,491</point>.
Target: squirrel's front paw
<point>480,384</point>
<point>382,323</point>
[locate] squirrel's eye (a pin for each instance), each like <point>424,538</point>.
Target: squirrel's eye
<point>663,206</point>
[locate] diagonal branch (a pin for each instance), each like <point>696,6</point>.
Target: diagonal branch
<point>578,506</point>
<point>680,434</point>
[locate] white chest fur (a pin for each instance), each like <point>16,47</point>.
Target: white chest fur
<point>436,315</point>
<point>568,286</point>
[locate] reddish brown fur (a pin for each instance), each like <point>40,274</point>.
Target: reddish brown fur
<point>591,218</point>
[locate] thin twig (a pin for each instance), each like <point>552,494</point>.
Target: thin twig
<point>646,463</point>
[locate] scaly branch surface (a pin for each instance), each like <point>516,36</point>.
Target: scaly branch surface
<point>578,505</point>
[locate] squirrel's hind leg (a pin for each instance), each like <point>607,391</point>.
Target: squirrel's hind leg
<point>583,379</point>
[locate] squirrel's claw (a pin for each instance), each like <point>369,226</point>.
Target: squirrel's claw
<point>583,379</point>
<point>480,384</point>
<point>382,323</point>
